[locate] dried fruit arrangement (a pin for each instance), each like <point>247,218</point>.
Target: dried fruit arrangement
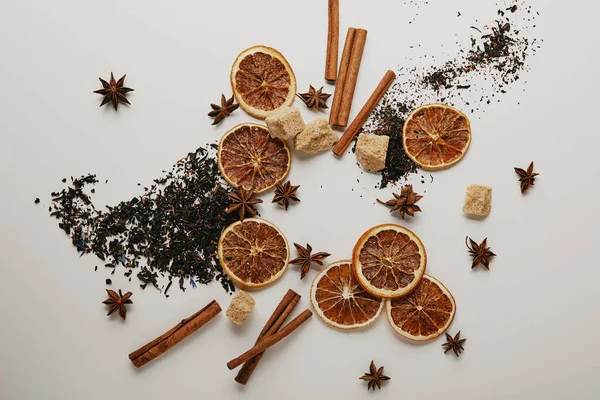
<point>387,265</point>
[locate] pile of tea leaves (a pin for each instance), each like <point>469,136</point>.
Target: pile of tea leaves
<point>475,77</point>
<point>169,231</point>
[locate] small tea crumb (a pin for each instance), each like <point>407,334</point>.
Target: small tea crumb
<point>371,151</point>
<point>285,123</point>
<point>478,201</point>
<point>239,308</point>
<point>316,137</point>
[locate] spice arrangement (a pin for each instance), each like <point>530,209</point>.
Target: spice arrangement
<point>198,222</point>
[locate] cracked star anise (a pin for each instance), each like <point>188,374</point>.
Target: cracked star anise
<point>116,302</point>
<point>404,202</point>
<point>375,377</point>
<point>114,91</point>
<point>306,258</point>
<point>284,193</point>
<point>454,343</point>
<point>314,98</point>
<point>480,252</point>
<point>527,178</point>
<point>242,201</point>
<point>222,111</point>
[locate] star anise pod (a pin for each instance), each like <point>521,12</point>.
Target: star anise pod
<point>375,377</point>
<point>314,98</point>
<point>242,201</point>
<point>114,91</point>
<point>454,343</point>
<point>117,302</point>
<point>480,252</point>
<point>527,178</point>
<point>404,202</point>
<point>222,111</point>
<point>306,258</point>
<point>284,193</point>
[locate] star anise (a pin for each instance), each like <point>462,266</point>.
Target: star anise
<point>114,91</point>
<point>242,201</point>
<point>527,178</point>
<point>480,252</point>
<point>117,302</point>
<point>404,202</point>
<point>306,258</point>
<point>454,343</point>
<point>375,377</point>
<point>284,193</point>
<point>222,111</point>
<point>314,98</point>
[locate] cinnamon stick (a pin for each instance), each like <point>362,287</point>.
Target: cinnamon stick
<point>282,311</point>
<point>186,327</point>
<point>352,77</point>
<point>364,113</point>
<point>333,33</point>
<point>269,341</point>
<point>341,78</point>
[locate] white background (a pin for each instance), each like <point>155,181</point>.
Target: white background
<point>531,322</point>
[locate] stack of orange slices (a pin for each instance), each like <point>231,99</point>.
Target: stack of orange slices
<point>388,266</point>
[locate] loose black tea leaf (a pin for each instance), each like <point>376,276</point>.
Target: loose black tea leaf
<point>169,231</point>
<point>473,77</point>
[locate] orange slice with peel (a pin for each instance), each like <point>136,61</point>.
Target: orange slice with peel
<point>340,301</point>
<point>436,136</point>
<point>389,260</point>
<point>423,314</point>
<point>253,253</point>
<point>250,158</point>
<point>262,81</point>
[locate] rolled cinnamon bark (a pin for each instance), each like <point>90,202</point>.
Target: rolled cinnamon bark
<point>364,113</point>
<point>341,78</point>
<point>269,341</point>
<point>333,34</point>
<point>186,327</point>
<point>350,84</point>
<point>282,311</point>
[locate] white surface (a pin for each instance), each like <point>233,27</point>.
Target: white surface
<point>531,322</point>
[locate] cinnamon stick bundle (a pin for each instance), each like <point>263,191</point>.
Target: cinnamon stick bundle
<point>364,113</point>
<point>186,327</point>
<point>282,311</point>
<point>269,341</point>
<point>347,76</point>
<point>333,33</point>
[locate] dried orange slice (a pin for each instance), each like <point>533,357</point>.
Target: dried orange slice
<point>436,136</point>
<point>262,81</point>
<point>425,313</point>
<point>250,158</point>
<point>340,301</point>
<point>389,260</point>
<point>253,253</point>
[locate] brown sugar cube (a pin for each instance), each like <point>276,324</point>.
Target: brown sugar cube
<point>371,151</point>
<point>478,201</point>
<point>316,137</point>
<point>285,123</point>
<point>239,308</point>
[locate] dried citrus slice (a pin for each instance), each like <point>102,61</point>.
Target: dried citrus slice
<point>340,301</point>
<point>262,81</point>
<point>423,314</point>
<point>436,136</point>
<point>389,260</point>
<point>253,253</point>
<point>250,158</point>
